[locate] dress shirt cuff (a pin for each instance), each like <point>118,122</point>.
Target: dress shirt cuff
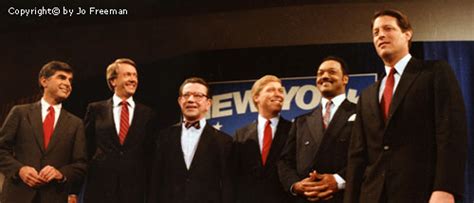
<point>291,190</point>
<point>341,183</point>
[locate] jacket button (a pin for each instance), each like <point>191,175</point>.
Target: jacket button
<point>386,147</point>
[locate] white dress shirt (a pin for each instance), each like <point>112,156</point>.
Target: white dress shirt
<point>261,122</point>
<point>399,67</point>
<point>189,141</point>
<point>117,109</point>
<point>44,111</point>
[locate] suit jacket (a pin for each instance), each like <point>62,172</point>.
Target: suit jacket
<point>209,178</point>
<point>420,148</point>
<point>310,147</point>
<point>255,182</point>
<point>22,144</point>
<point>117,173</point>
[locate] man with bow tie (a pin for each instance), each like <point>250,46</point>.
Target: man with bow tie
<point>118,132</point>
<point>313,162</point>
<point>193,161</point>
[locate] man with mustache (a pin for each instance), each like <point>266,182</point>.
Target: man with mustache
<point>409,138</point>
<point>258,145</point>
<point>193,161</point>
<point>313,161</point>
<point>42,146</point>
<point>119,138</point>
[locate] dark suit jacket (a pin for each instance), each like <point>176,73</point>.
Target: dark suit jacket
<point>117,173</point>
<point>255,182</point>
<point>310,148</point>
<point>422,146</point>
<point>22,143</point>
<point>209,176</point>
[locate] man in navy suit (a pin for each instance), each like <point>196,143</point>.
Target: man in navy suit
<point>313,162</point>
<point>193,160</point>
<point>42,146</point>
<point>118,132</point>
<point>258,145</point>
<point>409,139</point>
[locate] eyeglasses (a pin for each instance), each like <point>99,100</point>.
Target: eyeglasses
<point>197,96</point>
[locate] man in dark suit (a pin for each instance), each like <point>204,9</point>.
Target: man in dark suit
<point>118,132</point>
<point>258,145</point>
<point>313,162</point>
<point>193,161</point>
<point>42,146</point>
<point>409,138</point>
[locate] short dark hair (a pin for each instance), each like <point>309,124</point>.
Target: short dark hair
<point>111,72</point>
<point>341,61</point>
<point>195,80</point>
<point>402,20</point>
<point>50,68</point>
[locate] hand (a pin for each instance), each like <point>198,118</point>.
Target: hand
<point>441,197</point>
<point>298,187</point>
<point>329,180</point>
<point>72,198</point>
<point>49,173</point>
<point>30,176</point>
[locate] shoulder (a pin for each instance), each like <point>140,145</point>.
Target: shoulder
<point>144,109</point>
<point>99,104</point>
<point>304,117</point>
<point>71,116</point>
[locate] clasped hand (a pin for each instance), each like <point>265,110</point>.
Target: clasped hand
<point>316,186</point>
<point>32,178</point>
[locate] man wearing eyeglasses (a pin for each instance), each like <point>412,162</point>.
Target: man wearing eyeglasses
<point>118,132</point>
<point>193,160</point>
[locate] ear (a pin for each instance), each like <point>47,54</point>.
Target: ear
<point>408,34</point>
<point>43,82</point>
<point>112,82</point>
<point>345,79</point>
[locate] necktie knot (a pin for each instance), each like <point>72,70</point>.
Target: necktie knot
<point>51,109</point>
<point>194,124</point>
<point>124,103</point>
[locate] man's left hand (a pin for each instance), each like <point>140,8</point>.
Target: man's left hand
<point>49,173</point>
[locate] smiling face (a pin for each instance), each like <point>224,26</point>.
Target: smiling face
<point>389,40</point>
<point>126,82</point>
<point>330,79</point>
<point>57,87</point>
<point>269,100</point>
<point>194,101</point>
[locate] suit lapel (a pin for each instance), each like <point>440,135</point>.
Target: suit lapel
<point>61,126</point>
<point>278,140</point>
<point>34,116</point>
<point>203,144</point>
<point>409,75</point>
<point>110,118</point>
<point>252,135</point>
<point>373,94</point>
<point>337,123</point>
<point>315,127</point>
<point>176,143</point>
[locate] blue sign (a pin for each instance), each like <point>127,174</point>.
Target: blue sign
<point>232,105</point>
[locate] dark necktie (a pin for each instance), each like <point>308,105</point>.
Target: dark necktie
<point>48,126</point>
<point>387,93</point>
<point>327,114</point>
<point>267,141</point>
<point>124,122</point>
<point>195,124</point>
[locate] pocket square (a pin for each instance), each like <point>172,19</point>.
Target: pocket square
<point>352,118</point>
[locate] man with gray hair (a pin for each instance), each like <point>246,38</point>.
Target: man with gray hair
<point>118,132</point>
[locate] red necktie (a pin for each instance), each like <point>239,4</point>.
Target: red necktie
<point>124,122</point>
<point>387,93</point>
<point>267,141</point>
<point>327,114</point>
<point>48,126</point>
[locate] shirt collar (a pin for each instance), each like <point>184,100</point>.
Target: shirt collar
<point>337,100</point>
<point>45,105</point>
<point>400,65</point>
<point>116,101</point>
<point>262,121</point>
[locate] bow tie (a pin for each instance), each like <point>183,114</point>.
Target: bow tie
<point>192,124</point>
